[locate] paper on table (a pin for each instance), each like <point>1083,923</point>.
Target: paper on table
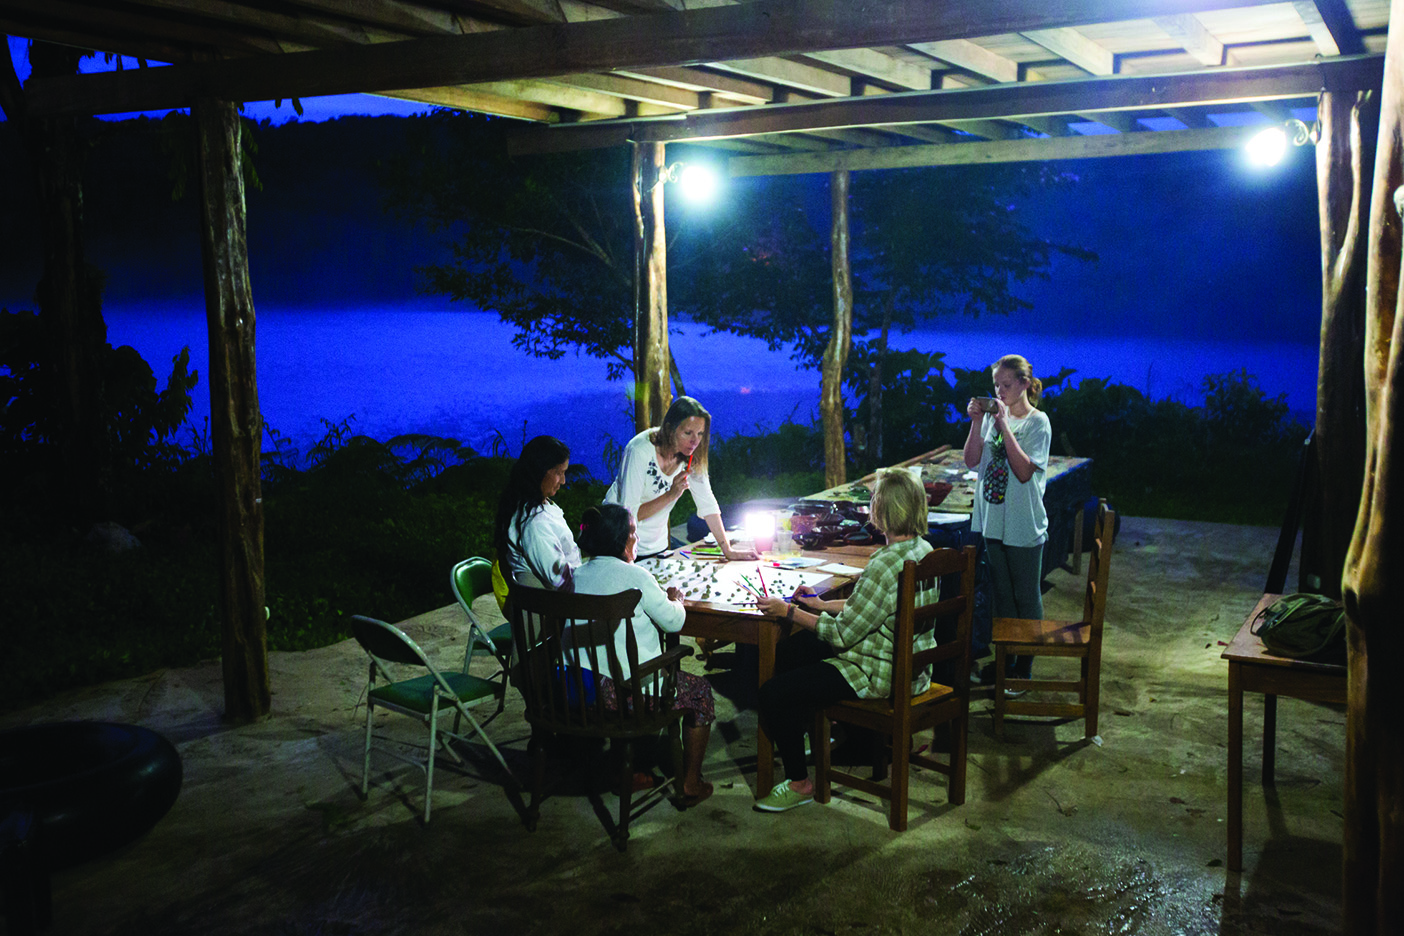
<point>838,568</point>
<point>936,519</point>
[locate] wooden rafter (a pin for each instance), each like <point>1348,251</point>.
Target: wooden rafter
<point>1074,147</point>
<point>750,30</point>
<point>1076,48</point>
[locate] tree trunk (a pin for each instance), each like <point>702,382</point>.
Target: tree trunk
<point>70,305</point>
<point>1374,781</point>
<point>652,359</point>
<point>840,336</point>
<point>875,388</point>
<point>1344,157</point>
<point>235,422</point>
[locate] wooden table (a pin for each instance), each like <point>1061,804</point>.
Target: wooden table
<point>727,623</point>
<point>1253,669</point>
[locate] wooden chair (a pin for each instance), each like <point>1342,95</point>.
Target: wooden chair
<point>899,718</point>
<point>1081,639</point>
<point>551,631</point>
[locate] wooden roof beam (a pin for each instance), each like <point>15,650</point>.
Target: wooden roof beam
<point>749,30</point>
<point>1072,45</point>
<point>694,79</point>
<point>971,57</point>
<point>961,154</point>
<point>1331,26</point>
<point>1120,121</point>
<point>1189,32</point>
<point>798,75</point>
<point>1089,96</point>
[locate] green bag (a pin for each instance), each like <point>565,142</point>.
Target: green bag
<point>1303,626</point>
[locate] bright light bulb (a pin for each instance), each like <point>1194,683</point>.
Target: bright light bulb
<point>699,183</point>
<point>1267,148</point>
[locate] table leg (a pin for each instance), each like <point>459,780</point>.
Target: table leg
<point>1235,767</point>
<point>765,751</point>
<point>1269,740</point>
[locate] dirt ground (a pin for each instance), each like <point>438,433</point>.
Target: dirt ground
<point>269,834</point>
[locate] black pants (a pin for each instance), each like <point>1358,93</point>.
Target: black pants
<point>802,685</point>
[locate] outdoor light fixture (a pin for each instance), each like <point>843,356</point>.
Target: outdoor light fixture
<point>761,526</point>
<point>1268,147</point>
<point>697,181</point>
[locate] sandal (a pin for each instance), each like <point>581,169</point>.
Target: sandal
<point>688,800</point>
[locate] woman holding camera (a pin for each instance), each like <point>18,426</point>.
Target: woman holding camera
<point>1008,444</point>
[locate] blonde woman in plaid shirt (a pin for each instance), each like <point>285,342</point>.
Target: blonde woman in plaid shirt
<point>841,649</point>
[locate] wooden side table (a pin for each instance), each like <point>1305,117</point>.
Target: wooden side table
<point>1253,669</point>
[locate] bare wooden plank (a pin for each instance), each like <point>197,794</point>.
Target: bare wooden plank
<point>1074,147</point>
<point>1190,33</point>
<point>697,80</point>
<point>479,101</point>
<point>749,30</point>
<point>793,74</point>
<point>632,88</point>
<point>970,56</point>
<point>989,129</point>
<point>874,64</point>
<point>1072,45</point>
<point>1119,121</point>
<point>1316,26</point>
<point>1052,126</point>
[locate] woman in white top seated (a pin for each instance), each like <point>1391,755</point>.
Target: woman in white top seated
<point>609,537</point>
<point>534,543</point>
<point>658,465</point>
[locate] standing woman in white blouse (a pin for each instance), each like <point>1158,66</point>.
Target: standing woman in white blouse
<point>658,465</point>
<point>1009,447</point>
<point>533,541</point>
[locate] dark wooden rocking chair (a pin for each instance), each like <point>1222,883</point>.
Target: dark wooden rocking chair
<point>551,631</point>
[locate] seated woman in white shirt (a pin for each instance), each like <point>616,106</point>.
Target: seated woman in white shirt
<point>658,465</point>
<point>609,537</point>
<point>534,543</point>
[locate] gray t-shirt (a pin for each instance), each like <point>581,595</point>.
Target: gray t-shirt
<point>1006,508</point>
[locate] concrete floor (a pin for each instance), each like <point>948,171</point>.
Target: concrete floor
<point>1057,835</point>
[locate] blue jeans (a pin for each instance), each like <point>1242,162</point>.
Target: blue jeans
<point>1016,584</point>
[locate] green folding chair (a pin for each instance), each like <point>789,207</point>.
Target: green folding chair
<point>471,579</point>
<point>427,698</point>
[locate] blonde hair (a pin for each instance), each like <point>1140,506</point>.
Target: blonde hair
<point>680,411</point>
<point>1021,368</point>
<point>899,503</point>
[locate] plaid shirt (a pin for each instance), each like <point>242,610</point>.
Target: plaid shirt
<point>863,631</point>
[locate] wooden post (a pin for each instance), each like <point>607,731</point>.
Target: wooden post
<point>69,297</point>
<point>235,422</point>
<point>1372,589</point>
<point>840,336</point>
<point>652,359</point>
<point>1344,159</point>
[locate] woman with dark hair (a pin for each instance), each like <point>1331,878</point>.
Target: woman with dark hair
<point>658,465</point>
<point>533,541</point>
<point>1010,449</point>
<point>609,537</point>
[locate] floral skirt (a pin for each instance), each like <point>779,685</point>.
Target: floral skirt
<point>694,699</point>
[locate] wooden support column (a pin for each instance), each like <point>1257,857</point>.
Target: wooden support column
<point>69,297</point>
<point>1373,588</point>
<point>235,422</point>
<point>840,335</point>
<point>652,359</point>
<point>1344,163</point>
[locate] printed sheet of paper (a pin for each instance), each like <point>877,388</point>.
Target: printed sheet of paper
<point>722,582</point>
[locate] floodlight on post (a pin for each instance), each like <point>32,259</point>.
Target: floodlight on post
<point>1269,146</point>
<point>697,181</point>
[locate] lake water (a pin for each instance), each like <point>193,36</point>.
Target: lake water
<point>425,368</point>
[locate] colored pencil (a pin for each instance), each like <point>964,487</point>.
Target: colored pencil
<point>765,591</point>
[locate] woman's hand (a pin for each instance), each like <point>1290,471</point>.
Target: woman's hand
<point>973,410</point>
<point>674,593</point>
<point>773,606</point>
<point>738,555</point>
<point>679,485</point>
